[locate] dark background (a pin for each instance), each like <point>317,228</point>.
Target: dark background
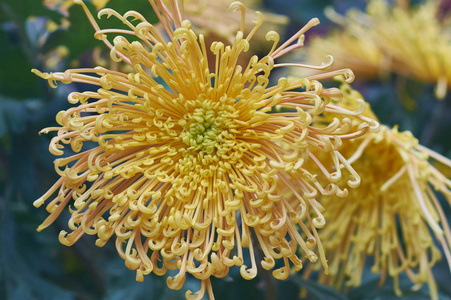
<point>36,266</point>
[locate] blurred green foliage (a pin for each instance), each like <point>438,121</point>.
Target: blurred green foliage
<point>36,266</point>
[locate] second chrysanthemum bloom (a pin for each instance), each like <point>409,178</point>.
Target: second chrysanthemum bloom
<point>393,220</point>
<point>189,157</point>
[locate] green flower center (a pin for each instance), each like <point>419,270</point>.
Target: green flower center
<point>204,129</point>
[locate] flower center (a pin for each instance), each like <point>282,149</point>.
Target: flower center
<point>206,128</point>
<point>203,130</point>
<point>210,139</point>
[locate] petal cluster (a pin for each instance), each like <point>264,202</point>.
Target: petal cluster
<point>395,217</point>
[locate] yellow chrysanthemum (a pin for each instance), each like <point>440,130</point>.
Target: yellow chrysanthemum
<point>185,159</point>
<point>417,42</point>
<point>391,215</point>
<point>413,42</point>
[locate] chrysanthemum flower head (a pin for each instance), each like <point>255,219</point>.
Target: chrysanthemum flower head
<point>413,42</point>
<point>188,163</point>
<point>418,43</point>
<point>395,214</point>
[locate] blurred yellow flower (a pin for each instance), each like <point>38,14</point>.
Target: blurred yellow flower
<point>185,160</point>
<point>351,46</point>
<point>212,17</point>
<point>412,42</point>
<point>417,42</point>
<point>54,57</point>
<point>391,215</point>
